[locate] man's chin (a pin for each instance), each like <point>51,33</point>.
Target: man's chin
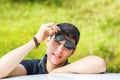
<point>57,63</point>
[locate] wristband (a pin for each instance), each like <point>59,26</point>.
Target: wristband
<point>36,42</point>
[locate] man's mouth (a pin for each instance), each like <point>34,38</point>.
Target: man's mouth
<point>57,56</point>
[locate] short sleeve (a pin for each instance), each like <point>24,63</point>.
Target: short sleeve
<point>31,66</point>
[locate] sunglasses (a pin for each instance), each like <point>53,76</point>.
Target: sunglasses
<point>68,44</point>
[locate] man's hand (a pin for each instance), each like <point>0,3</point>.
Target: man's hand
<point>46,30</point>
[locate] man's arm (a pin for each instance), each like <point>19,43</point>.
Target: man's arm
<point>87,65</point>
<point>18,71</point>
<point>9,64</point>
<point>10,61</point>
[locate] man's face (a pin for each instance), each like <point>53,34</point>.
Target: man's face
<point>59,49</point>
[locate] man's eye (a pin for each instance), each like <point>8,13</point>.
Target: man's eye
<point>57,42</point>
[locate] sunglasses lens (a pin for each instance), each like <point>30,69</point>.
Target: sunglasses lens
<point>59,37</point>
<point>69,45</point>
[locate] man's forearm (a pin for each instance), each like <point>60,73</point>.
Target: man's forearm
<point>87,65</point>
<point>14,57</point>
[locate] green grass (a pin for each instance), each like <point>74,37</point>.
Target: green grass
<point>98,21</point>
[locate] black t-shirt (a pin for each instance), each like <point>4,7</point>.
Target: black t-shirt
<point>36,66</point>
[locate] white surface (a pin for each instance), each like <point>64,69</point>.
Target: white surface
<point>106,76</point>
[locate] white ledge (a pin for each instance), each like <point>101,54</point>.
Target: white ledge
<point>106,76</point>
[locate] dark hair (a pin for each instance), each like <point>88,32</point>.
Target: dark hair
<point>70,30</point>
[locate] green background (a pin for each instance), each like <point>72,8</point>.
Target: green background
<point>97,20</point>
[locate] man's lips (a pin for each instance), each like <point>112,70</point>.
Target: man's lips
<point>57,55</point>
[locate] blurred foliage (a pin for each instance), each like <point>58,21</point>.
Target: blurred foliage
<point>98,21</point>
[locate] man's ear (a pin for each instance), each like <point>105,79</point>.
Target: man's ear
<point>72,52</point>
<point>47,41</point>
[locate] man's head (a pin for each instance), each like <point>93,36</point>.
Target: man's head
<point>62,44</point>
<point>70,30</point>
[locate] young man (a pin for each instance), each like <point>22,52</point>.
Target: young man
<point>61,44</point>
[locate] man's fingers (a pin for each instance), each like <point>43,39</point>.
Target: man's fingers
<point>52,28</point>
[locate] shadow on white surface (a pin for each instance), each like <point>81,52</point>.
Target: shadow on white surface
<point>107,76</point>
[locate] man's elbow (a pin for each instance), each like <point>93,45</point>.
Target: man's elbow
<point>100,64</point>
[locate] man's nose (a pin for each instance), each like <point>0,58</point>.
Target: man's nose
<point>60,48</point>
